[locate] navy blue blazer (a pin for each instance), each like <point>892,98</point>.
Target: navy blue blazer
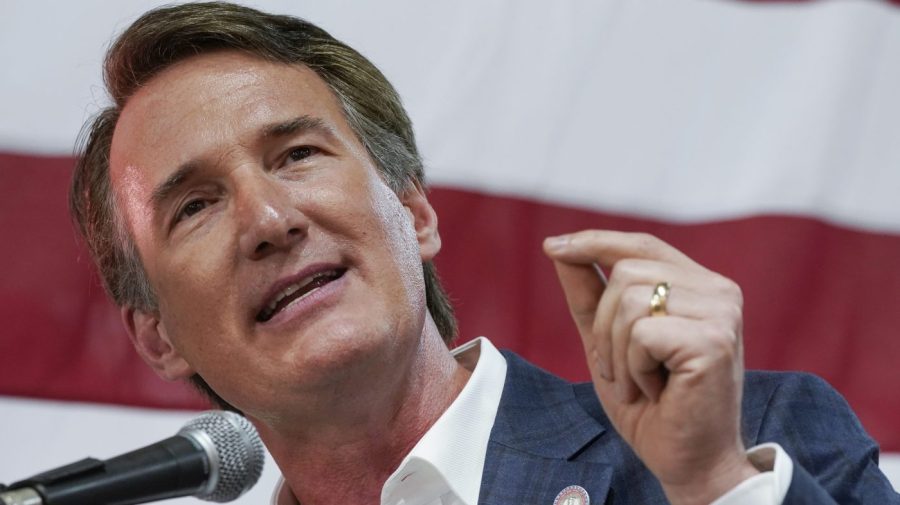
<point>550,434</point>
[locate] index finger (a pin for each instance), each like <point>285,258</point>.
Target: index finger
<point>606,247</point>
<point>583,286</point>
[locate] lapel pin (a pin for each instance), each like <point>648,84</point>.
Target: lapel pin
<point>572,495</point>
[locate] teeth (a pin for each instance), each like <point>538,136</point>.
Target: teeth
<point>293,288</point>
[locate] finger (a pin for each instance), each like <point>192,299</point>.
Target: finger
<point>629,303</point>
<point>606,247</point>
<point>634,304</point>
<point>583,290</point>
<point>696,293</point>
<point>626,273</point>
<point>663,347</point>
<point>647,353</point>
<point>644,271</point>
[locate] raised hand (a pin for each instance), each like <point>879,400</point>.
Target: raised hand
<point>670,382</point>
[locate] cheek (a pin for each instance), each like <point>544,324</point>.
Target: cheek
<point>193,272</point>
<point>399,236</point>
<point>198,298</point>
<point>370,219</point>
<point>363,209</point>
<point>387,215</point>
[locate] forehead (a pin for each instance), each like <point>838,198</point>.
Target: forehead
<point>205,109</point>
<point>217,97</point>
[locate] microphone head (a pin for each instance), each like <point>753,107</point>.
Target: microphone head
<point>235,452</point>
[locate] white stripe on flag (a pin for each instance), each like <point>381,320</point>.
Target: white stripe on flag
<point>40,435</point>
<point>686,110</point>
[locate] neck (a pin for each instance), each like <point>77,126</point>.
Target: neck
<point>349,453</point>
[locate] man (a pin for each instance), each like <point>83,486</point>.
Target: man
<point>256,204</point>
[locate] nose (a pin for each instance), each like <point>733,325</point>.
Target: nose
<point>269,220</point>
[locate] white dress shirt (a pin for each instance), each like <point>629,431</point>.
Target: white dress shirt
<point>445,467</point>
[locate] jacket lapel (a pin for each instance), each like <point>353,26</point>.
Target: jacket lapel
<point>533,480</point>
<point>539,431</point>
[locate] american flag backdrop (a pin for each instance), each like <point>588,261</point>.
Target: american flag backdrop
<point>760,137</point>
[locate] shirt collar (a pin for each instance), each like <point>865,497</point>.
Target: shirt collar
<point>449,458</point>
<point>447,463</point>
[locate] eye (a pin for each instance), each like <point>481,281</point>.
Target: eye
<point>191,207</point>
<point>302,152</point>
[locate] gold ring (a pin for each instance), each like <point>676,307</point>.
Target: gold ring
<point>659,299</point>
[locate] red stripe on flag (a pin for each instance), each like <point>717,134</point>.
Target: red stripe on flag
<point>61,337</point>
<point>819,297</point>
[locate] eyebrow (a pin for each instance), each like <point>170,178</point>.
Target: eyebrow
<point>162,192</point>
<point>185,171</point>
<point>297,125</point>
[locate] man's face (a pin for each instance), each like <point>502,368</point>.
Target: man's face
<point>282,262</point>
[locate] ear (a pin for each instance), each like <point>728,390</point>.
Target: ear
<point>424,220</point>
<point>150,339</point>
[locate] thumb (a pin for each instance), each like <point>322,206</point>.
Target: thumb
<point>583,287</point>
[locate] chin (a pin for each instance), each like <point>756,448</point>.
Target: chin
<point>348,352</point>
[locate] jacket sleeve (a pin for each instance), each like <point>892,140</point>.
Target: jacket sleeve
<point>835,460</point>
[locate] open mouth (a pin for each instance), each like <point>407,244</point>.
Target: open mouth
<point>298,291</point>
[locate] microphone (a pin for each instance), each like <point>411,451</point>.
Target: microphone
<point>217,456</point>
